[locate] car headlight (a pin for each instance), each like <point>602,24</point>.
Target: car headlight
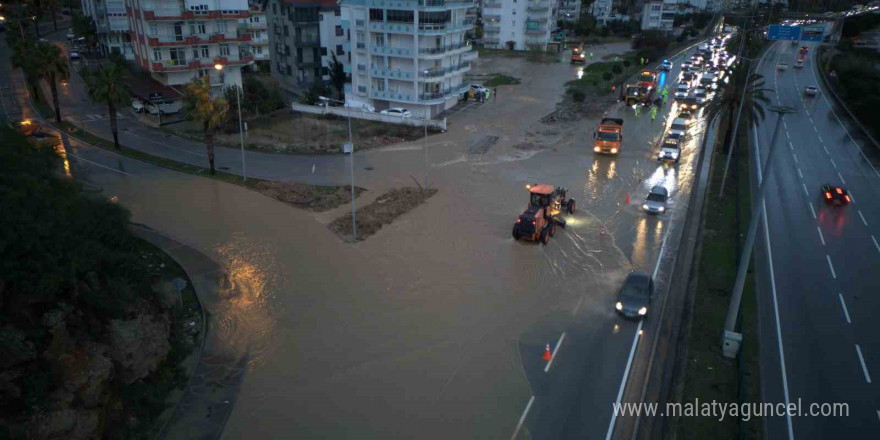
<point>660,156</point>
<point>619,305</point>
<point>614,150</point>
<point>643,311</point>
<point>675,155</point>
<point>597,149</point>
<point>645,206</point>
<point>661,209</point>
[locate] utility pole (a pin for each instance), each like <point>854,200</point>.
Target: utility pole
<point>732,339</point>
<point>426,151</point>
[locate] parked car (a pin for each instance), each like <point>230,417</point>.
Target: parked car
<point>666,65</point>
<point>477,88</point>
<point>359,106</point>
<point>70,35</point>
<point>137,105</point>
<point>635,295</point>
<point>397,111</point>
<point>74,55</point>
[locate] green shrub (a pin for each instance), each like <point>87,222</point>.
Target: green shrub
<point>616,69</point>
<point>607,76</point>
<point>578,96</point>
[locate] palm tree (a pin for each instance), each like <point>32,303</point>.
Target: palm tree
<point>730,93</point>
<point>24,59</point>
<point>200,107</point>
<point>106,86</point>
<point>52,66</point>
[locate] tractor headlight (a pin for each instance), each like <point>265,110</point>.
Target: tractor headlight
<point>619,305</point>
<point>643,311</point>
<point>661,209</point>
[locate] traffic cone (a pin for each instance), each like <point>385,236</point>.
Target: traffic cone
<point>547,355</point>
<point>627,198</point>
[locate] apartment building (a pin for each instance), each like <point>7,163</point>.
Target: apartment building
<point>180,40</point>
<point>258,27</point>
<point>659,15</point>
<point>111,25</point>
<point>408,53</point>
<point>518,24</point>
<point>303,37</point>
<point>568,10</point>
<point>601,10</point>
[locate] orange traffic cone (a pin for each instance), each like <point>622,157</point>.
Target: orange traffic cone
<point>547,355</point>
<point>627,198</point>
<point>603,232</point>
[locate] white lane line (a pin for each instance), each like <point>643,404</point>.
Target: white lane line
<point>820,139</point>
<point>790,146</point>
<point>843,306</point>
<point>800,174</point>
<point>841,179</point>
<point>826,150</point>
<point>878,413</point>
<point>864,367</point>
<point>522,418</point>
<point>852,197</point>
<point>581,300</point>
<point>834,164</point>
<point>805,189</point>
<point>772,291</point>
<point>812,211</point>
<point>660,256</point>
<point>821,237</point>
<point>814,127</point>
<point>553,355</point>
<point>865,222</point>
<point>784,124</point>
<point>831,266</point>
<point>876,245</point>
<point>632,352</point>
<point>795,157</point>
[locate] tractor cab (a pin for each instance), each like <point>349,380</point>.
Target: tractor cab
<point>539,220</point>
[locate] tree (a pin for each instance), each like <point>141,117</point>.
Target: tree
<point>53,67</point>
<point>337,76</point>
<point>729,95</point>
<point>106,85</point>
<point>200,107</point>
<point>84,27</point>
<point>52,7</point>
<point>585,25</point>
<point>24,59</point>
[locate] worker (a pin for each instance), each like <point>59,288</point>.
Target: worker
<point>591,55</point>
<point>471,93</point>
<point>487,95</point>
<point>638,110</point>
<point>613,88</point>
<point>641,61</point>
<point>495,92</point>
<point>653,114</point>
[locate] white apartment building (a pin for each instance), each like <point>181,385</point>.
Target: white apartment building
<point>568,10</point>
<point>179,40</point>
<point>408,53</point>
<point>111,25</point>
<point>659,14</point>
<point>257,26</point>
<point>601,10</point>
<point>518,24</point>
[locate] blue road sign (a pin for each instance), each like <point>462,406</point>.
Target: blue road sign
<point>779,32</point>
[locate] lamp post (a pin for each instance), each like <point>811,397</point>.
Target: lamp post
<point>730,345</point>
<point>426,150</point>
<point>350,146</point>
<point>219,68</point>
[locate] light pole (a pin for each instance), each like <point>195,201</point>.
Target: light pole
<point>426,150</point>
<point>730,345</point>
<point>350,148</point>
<point>219,68</point>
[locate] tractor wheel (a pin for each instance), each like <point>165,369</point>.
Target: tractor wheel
<point>552,229</point>
<point>545,236</point>
<point>516,232</point>
<point>571,206</point>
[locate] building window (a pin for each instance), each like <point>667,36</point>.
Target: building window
<point>337,11</point>
<point>257,50</point>
<point>289,71</point>
<point>401,16</point>
<point>323,51</point>
<point>339,50</point>
<point>377,15</point>
<point>154,30</point>
<point>339,31</point>
<point>178,55</point>
<point>325,71</point>
<point>224,50</point>
<point>204,51</point>
<point>157,55</point>
<point>286,31</point>
<point>275,11</point>
<point>220,26</point>
<point>197,28</point>
<point>286,50</point>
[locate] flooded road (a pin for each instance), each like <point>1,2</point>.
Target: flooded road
<point>435,326</point>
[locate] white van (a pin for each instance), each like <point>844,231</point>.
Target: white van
<point>360,106</point>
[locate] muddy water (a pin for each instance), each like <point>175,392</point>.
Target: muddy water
<point>434,327</point>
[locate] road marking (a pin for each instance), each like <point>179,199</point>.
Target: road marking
<point>790,146</point>
<point>522,418</point>
<point>831,266</point>
<point>805,189</point>
<point>99,165</point>
<point>841,178</point>
<point>826,150</point>
<point>852,197</point>
<point>876,245</point>
<point>576,307</point>
<point>553,355</point>
<point>632,352</point>
<point>800,173</point>
<point>795,157</point>
<point>834,164</point>
<point>820,139</point>
<point>864,367</point>
<point>812,211</point>
<point>865,222</point>
<point>784,124</point>
<point>843,305</point>
<point>821,237</point>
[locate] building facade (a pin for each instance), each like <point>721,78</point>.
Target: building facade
<point>518,24</point>
<point>303,37</point>
<point>659,15</point>
<point>111,26</point>
<point>601,10</point>
<point>408,53</point>
<point>257,26</point>
<point>180,40</point>
<point>568,10</point>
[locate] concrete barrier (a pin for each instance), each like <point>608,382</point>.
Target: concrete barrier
<point>438,124</point>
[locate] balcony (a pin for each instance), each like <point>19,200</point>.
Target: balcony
<point>177,14</point>
<point>436,98</point>
<point>256,26</point>
<point>536,31</point>
<point>392,28</point>
<point>392,51</point>
<point>487,18</point>
<point>538,7</point>
<point>391,96</point>
<point>379,72</point>
<point>259,41</point>
<point>427,52</point>
<point>308,41</point>
<point>493,5</point>
<point>434,74</point>
<point>442,28</point>
<point>442,5</point>
<point>492,27</point>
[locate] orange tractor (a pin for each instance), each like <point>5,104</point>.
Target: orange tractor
<point>538,222</point>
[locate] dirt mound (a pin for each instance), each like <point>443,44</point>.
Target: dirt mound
<point>382,211</point>
<point>568,110</point>
<point>528,146</point>
<point>311,197</point>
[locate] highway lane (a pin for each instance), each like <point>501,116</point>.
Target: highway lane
<point>822,263</point>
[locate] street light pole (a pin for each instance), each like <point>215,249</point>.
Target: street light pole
<point>325,100</point>
<point>219,67</point>
<point>730,345</point>
<point>426,152</point>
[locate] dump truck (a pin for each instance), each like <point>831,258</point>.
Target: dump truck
<point>609,136</point>
<point>578,54</point>
<point>647,79</point>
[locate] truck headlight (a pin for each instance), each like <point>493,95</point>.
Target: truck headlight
<point>597,149</point>
<point>643,311</point>
<point>619,305</point>
<point>613,150</point>
<point>661,209</point>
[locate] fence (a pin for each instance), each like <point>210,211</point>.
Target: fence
<point>438,124</point>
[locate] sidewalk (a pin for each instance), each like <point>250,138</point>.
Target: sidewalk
<point>212,390</point>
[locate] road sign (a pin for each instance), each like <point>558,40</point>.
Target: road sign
<point>779,32</point>
<point>813,33</point>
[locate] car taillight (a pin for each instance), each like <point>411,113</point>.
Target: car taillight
<point>533,222</point>
<point>839,191</point>
<point>847,198</point>
<point>827,195</point>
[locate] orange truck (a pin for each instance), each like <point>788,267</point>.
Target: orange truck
<point>578,54</point>
<point>647,79</point>
<point>609,136</point>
